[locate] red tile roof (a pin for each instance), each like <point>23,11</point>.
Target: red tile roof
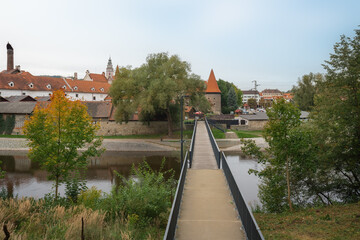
<point>98,77</point>
<point>88,86</point>
<point>212,86</point>
<point>28,82</point>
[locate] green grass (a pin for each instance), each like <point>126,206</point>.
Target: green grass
<point>12,136</point>
<point>140,136</point>
<point>217,133</point>
<point>332,222</point>
<point>248,134</point>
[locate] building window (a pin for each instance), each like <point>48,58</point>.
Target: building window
<point>102,89</point>
<point>48,86</point>
<point>23,93</point>
<point>92,89</point>
<point>64,87</point>
<point>76,95</point>
<point>11,84</point>
<point>75,88</point>
<point>94,98</point>
<point>31,85</point>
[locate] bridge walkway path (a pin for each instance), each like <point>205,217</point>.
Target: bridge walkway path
<point>207,209</point>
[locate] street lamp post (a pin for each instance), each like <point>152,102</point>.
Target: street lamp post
<point>181,130</point>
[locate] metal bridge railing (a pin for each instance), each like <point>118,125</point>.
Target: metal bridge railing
<point>172,221</point>
<point>252,230</point>
<point>214,145</point>
<point>213,123</point>
<point>192,145</point>
<point>175,208</point>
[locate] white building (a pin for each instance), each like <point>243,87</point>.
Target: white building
<point>248,94</point>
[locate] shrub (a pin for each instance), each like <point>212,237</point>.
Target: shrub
<point>147,194</point>
<point>90,197</point>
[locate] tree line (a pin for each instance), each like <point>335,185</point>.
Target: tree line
<point>316,161</point>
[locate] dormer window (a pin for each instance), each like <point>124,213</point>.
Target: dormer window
<point>31,85</point>
<point>102,89</point>
<point>64,87</point>
<point>11,84</point>
<point>92,89</point>
<point>48,86</point>
<point>75,88</point>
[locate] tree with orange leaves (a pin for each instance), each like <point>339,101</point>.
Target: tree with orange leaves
<point>55,135</point>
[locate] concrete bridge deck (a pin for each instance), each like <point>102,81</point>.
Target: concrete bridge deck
<point>207,209</point>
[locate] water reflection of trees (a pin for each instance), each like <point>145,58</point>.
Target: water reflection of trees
<point>21,170</point>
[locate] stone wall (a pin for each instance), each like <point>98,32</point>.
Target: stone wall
<point>111,128</point>
<point>131,128</point>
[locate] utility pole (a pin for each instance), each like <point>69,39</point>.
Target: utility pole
<point>255,85</point>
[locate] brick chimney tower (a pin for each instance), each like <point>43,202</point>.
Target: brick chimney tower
<point>10,57</point>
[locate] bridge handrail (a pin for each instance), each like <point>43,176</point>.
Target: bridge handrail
<point>214,145</point>
<point>212,122</point>
<point>192,144</point>
<point>175,208</point>
<point>251,228</point>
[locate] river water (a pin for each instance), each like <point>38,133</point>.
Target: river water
<point>24,178</point>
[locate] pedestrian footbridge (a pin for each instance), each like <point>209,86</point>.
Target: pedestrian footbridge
<point>208,203</point>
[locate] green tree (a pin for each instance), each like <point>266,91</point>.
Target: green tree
<point>305,91</point>
<point>200,103</point>
<point>239,95</point>
<point>224,87</point>
<point>9,124</point>
<point>252,103</point>
<point>336,117</point>
<point>232,99</point>
<point>55,135</point>
<point>2,124</point>
<point>280,158</point>
<point>154,88</point>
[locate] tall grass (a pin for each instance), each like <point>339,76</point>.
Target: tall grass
<point>136,209</point>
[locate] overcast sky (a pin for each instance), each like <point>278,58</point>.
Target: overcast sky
<point>272,41</point>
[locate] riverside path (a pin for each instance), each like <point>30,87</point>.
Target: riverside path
<point>207,210</point>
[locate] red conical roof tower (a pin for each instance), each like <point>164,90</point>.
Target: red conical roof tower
<point>212,86</point>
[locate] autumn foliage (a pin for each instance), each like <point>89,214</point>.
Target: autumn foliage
<point>56,132</point>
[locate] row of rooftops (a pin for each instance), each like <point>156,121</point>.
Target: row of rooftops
<point>25,81</point>
<point>25,105</point>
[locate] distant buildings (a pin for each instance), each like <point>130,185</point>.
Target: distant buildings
<point>249,94</point>
<point>15,82</point>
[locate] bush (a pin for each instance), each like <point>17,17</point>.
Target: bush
<point>90,197</point>
<point>148,194</point>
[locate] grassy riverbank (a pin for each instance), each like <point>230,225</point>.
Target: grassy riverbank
<point>338,222</point>
<point>137,208</point>
<point>248,133</point>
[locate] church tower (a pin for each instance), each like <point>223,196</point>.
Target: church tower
<point>109,71</point>
<point>213,93</point>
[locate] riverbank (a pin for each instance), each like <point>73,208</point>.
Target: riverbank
<point>137,145</point>
<point>331,222</point>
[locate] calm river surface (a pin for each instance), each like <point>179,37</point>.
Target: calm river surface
<point>24,178</point>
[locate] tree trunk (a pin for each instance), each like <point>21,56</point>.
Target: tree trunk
<point>56,187</point>
<point>168,115</point>
<point>288,184</point>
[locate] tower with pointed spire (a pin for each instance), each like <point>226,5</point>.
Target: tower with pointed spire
<point>109,71</point>
<point>213,93</point>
